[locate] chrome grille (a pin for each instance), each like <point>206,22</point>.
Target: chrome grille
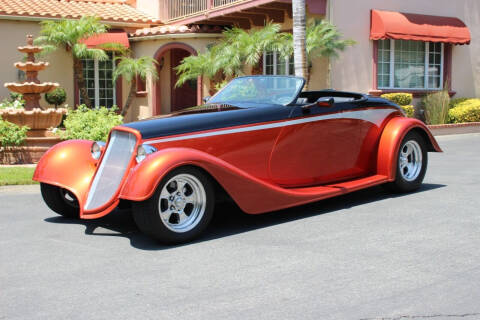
<point>112,169</point>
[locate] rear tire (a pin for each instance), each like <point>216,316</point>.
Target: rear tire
<point>411,164</point>
<point>180,209</point>
<point>60,200</point>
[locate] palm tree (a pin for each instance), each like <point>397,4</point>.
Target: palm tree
<point>68,34</point>
<point>299,38</point>
<point>238,48</point>
<point>130,68</point>
<point>229,57</point>
<point>322,40</point>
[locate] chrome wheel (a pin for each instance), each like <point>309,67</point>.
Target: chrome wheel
<point>182,203</point>
<point>410,160</point>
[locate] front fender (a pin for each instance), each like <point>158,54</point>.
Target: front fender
<point>69,165</point>
<point>144,178</point>
<point>392,135</point>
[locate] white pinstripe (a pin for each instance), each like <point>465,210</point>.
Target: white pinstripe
<point>374,116</point>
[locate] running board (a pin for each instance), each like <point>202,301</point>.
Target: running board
<point>276,198</point>
<point>342,187</point>
<point>354,185</point>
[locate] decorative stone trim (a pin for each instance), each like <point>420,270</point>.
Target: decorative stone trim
<point>455,128</point>
<point>21,155</point>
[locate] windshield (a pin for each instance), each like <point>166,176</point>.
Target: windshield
<point>260,89</point>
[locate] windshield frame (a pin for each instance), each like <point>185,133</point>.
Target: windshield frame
<point>295,97</point>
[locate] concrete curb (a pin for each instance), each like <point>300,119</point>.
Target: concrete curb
<point>20,189</point>
<point>454,128</point>
<point>26,165</point>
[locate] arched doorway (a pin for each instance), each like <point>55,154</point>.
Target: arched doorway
<point>166,97</point>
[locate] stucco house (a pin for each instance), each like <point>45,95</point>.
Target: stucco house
<point>409,45</point>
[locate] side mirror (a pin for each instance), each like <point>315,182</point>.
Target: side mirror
<point>205,99</point>
<point>325,102</point>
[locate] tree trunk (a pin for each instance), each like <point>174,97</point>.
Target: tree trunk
<point>78,76</point>
<point>299,39</point>
<point>131,95</point>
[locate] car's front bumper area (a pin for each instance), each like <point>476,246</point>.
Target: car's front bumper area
<point>95,183</point>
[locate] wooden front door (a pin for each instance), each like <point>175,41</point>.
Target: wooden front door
<point>186,95</point>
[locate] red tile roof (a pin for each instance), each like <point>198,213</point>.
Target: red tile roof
<point>108,10</point>
<point>175,29</point>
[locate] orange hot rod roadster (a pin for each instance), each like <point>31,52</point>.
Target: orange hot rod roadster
<point>262,140</point>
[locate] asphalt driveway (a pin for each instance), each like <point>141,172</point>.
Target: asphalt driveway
<point>367,255</point>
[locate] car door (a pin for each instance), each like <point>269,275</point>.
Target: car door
<point>325,144</point>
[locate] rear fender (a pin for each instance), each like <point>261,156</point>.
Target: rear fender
<point>69,165</point>
<point>251,194</point>
<point>392,135</point>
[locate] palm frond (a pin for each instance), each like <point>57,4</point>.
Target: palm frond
<point>324,40</point>
<point>81,51</point>
<point>67,33</point>
<point>129,68</point>
<point>117,47</point>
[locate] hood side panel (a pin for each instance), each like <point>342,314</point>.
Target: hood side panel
<point>161,127</point>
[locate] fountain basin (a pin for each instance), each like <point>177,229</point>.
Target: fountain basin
<point>31,66</point>
<point>36,119</point>
<point>30,49</point>
<point>31,87</point>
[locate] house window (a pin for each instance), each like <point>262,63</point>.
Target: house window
<point>404,64</point>
<point>99,81</point>
<point>274,64</point>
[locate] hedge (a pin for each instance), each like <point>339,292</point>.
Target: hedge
<point>90,124</point>
<point>409,111</point>
<point>402,99</point>
<point>12,134</point>
<point>466,111</point>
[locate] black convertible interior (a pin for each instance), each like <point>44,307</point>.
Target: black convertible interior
<point>308,97</point>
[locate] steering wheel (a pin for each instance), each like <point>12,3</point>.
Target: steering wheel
<point>283,98</point>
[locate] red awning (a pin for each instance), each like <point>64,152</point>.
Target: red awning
<point>409,26</point>
<point>110,37</point>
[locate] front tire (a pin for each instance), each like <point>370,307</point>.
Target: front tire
<point>60,200</point>
<point>411,164</point>
<point>180,209</point>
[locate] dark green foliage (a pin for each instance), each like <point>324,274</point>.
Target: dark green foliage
<point>12,134</point>
<point>56,97</point>
<point>90,124</point>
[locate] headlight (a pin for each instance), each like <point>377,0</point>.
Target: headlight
<point>143,151</point>
<point>97,149</point>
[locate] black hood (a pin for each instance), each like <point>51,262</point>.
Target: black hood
<point>207,117</point>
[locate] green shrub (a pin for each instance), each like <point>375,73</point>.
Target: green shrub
<point>466,111</point>
<point>456,101</point>
<point>436,107</point>
<point>56,97</point>
<point>15,102</point>
<point>90,124</point>
<point>12,134</point>
<point>16,96</point>
<point>402,99</point>
<point>409,110</point>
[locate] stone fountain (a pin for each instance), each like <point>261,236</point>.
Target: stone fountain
<point>31,88</point>
<point>40,138</point>
<point>33,115</point>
